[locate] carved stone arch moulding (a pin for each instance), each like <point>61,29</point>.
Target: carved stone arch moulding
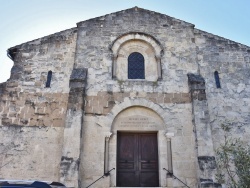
<point>129,103</point>
<point>143,43</point>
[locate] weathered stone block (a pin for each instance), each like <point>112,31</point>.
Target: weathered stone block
<point>6,121</point>
<point>78,75</point>
<point>57,122</point>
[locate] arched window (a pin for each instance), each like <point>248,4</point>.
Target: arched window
<point>217,79</point>
<point>136,67</point>
<point>49,76</point>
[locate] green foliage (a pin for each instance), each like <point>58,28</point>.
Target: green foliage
<point>233,161</point>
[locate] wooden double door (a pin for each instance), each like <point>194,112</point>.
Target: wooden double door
<point>137,160</point>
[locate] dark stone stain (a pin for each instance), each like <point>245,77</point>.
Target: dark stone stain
<point>207,162</point>
<point>68,163</point>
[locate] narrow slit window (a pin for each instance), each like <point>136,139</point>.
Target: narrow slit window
<point>49,77</point>
<point>136,67</point>
<point>217,79</point>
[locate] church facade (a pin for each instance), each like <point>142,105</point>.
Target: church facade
<point>136,95</point>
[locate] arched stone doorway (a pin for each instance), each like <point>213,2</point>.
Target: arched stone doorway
<point>138,126</point>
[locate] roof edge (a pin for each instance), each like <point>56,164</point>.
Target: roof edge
<point>13,50</point>
<point>136,7</point>
<point>220,37</point>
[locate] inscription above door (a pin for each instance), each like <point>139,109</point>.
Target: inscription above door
<point>137,160</point>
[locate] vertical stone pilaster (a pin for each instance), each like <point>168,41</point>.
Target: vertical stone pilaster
<point>204,143</point>
<point>69,167</point>
<point>169,137</point>
<point>106,152</point>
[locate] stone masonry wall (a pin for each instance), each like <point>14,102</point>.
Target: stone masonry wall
<point>30,152</point>
<point>26,100</point>
<point>105,95</point>
<point>96,35</point>
<point>33,116</point>
<point>231,102</point>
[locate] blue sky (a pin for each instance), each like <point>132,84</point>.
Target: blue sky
<point>25,20</point>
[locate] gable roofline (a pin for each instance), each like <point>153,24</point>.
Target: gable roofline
<point>217,37</point>
<point>174,19</point>
<point>11,52</point>
<point>136,9</point>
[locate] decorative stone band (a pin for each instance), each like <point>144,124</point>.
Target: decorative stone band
<point>105,101</point>
<point>31,111</point>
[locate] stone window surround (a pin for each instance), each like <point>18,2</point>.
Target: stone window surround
<point>143,37</point>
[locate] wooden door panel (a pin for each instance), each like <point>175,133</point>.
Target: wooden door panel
<point>148,147</point>
<point>125,165</point>
<point>149,166</point>
<point>126,147</point>
<point>148,160</point>
<point>126,179</point>
<point>137,160</point>
<point>149,179</point>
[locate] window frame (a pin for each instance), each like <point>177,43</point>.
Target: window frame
<point>217,79</point>
<point>136,66</point>
<point>49,78</point>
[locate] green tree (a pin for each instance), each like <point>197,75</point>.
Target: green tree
<point>233,161</point>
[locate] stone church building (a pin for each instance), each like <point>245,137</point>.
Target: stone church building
<point>136,92</point>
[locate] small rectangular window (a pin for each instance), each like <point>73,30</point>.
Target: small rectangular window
<point>217,79</point>
<point>49,77</point>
